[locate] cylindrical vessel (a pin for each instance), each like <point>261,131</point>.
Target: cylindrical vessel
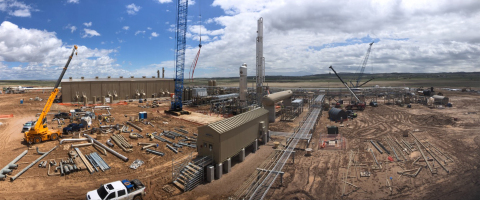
<point>243,82</point>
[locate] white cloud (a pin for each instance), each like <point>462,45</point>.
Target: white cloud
<point>310,35</point>
<point>126,28</point>
<point>154,34</point>
<point>138,32</point>
<point>164,1</point>
<point>72,28</point>
<point>132,9</point>
<point>42,56</point>
<point>87,24</point>
<point>89,33</point>
<point>16,8</point>
<point>73,1</point>
<point>149,28</point>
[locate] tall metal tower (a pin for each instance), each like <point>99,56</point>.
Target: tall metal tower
<point>182,10</point>
<point>260,62</point>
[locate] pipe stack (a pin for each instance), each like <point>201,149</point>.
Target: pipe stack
<point>122,142</point>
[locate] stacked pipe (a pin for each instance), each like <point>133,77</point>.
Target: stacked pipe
<point>11,165</point>
<point>33,163</point>
<point>176,134</point>
<point>99,161</point>
<point>181,130</point>
<point>108,149</point>
<point>122,142</point>
<point>158,137</point>
<point>135,126</point>
<point>109,143</point>
<point>84,160</point>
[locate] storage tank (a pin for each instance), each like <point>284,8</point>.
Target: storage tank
<point>336,114</point>
<point>243,82</point>
<point>214,83</point>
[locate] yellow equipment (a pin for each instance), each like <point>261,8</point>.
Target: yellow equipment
<point>40,132</point>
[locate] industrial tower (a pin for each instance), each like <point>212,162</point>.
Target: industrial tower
<point>260,62</point>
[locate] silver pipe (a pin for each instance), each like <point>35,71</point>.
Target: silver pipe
<point>9,165</point>
<point>102,161</point>
<point>73,140</point>
<point>39,152</point>
<point>135,126</point>
<point>108,149</point>
<point>109,143</point>
<point>155,152</point>
<point>172,148</point>
<point>80,145</point>
<point>148,146</point>
<point>94,158</point>
<point>33,163</point>
<point>101,149</point>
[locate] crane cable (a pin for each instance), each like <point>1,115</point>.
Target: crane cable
<point>194,63</point>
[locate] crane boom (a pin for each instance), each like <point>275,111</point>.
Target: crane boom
<point>364,64</point>
<point>346,85</point>
<point>182,10</point>
<point>40,132</point>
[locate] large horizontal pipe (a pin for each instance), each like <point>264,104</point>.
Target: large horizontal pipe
<point>135,126</point>
<point>31,164</point>
<point>148,146</point>
<point>73,140</point>
<point>271,99</point>
<point>108,149</point>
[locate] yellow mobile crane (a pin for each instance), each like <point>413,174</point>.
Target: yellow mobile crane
<point>40,132</point>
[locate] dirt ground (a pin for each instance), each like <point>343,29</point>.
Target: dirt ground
<point>320,175</point>
<point>36,184</point>
<point>315,177</point>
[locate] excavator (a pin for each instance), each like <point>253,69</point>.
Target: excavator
<point>40,132</point>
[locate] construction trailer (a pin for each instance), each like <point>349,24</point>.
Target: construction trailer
<point>94,89</point>
<point>227,138</point>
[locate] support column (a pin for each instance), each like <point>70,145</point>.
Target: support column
<point>255,146</point>
<point>241,155</point>
<point>227,165</point>
<point>265,137</point>
<point>210,173</point>
<point>218,171</point>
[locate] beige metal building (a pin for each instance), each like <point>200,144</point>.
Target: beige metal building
<point>225,139</point>
<point>119,88</point>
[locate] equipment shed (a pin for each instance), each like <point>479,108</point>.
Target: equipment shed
<point>225,139</point>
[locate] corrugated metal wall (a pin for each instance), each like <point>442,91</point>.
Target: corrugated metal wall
<point>124,88</point>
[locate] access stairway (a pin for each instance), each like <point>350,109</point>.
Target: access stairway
<point>192,174</point>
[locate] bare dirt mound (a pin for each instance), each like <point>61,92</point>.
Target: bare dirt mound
<point>435,120</point>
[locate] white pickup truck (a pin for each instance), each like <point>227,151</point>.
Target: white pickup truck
<point>121,190</point>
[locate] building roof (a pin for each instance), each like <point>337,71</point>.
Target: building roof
<point>236,121</point>
<point>111,79</point>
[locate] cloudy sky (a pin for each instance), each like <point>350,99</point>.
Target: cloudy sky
<point>135,38</point>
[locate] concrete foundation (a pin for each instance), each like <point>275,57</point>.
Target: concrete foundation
<point>218,171</point>
<point>210,173</point>
<point>255,146</point>
<point>94,100</point>
<point>227,165</point>
<point>241,155</point>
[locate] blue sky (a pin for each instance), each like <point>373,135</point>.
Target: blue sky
<point>135,38</point>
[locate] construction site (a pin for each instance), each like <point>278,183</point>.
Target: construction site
<point>358,139</point>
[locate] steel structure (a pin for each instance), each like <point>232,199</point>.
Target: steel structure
<point>364,64</point>
<point>182,11</point>
<point>258,189</point>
